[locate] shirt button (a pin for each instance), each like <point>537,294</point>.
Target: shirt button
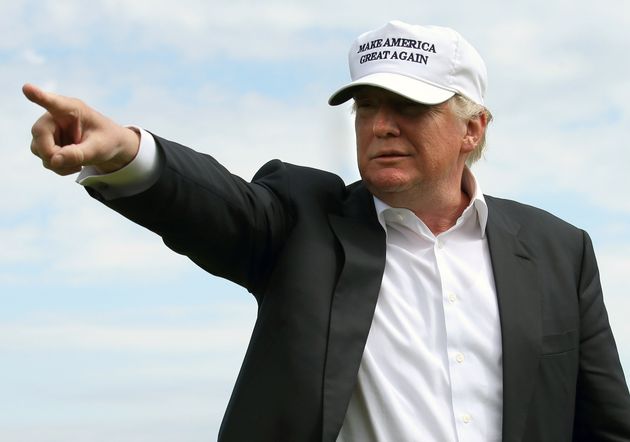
<point>400,217</point>
<point>440,244</point>
<point>452,297</point>
<point>467,418</point>
<point>459,358</point>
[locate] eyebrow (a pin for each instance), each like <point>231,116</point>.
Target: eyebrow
<point>359,95</point>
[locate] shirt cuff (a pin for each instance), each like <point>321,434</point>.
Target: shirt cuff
<point>137,176</point>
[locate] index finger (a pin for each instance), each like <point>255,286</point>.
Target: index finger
<point>53,103</point>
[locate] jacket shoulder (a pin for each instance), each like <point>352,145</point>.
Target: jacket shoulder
<point>296,184</point>
<point>527,215</point>
<point>303,175</point>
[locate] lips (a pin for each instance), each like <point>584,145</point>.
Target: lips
<point>390,155</point>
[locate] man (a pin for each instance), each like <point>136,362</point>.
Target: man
<point>404,307</point>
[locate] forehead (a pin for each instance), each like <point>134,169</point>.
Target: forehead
<point>373,92</point>
<point>384,96</point>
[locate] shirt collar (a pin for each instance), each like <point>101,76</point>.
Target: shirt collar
<point>470,186</point>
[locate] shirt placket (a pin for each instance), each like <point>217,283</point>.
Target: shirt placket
<point>459,359</point>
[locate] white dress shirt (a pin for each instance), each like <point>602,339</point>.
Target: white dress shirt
<point>431,369</point>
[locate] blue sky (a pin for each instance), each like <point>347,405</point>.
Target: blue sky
<point>107,335</point>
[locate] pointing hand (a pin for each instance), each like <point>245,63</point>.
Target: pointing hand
<point>71,135</point>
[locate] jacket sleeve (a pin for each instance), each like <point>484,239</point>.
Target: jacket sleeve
<point>602,410</point>
<point>229,227</point>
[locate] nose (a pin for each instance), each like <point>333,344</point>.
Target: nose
<point>384,124</point>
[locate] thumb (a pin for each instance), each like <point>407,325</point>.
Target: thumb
<point>53,103</point>
<point>72,155</point>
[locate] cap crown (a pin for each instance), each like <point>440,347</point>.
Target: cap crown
<point>436,56</point>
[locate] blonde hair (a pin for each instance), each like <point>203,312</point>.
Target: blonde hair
<point>466,109</point>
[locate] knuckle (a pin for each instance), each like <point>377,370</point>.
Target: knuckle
<point>42,150</point>
<point>36,130</point>
<point>75,108</point>
<point>34,149</point>
<point>76,156</point>
<point>43,126</point>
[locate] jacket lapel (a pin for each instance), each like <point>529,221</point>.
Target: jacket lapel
<point>363,242</point>
<point>516,280</point>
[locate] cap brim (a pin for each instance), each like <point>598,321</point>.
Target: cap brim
<point>408,87</point>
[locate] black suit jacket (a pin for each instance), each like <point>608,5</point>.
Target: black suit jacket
<point>312,252</point>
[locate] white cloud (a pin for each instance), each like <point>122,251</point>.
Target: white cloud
<point>284,29</point>
<point>33,57</point>
<point>97,244</point>
<point>163,329</point>
<point>19,245</point>
<point>122,373</point>
<point>97,338</point>
<point>614,265</point>
<point>84,244</point>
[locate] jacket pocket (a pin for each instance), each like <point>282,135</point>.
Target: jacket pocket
<point>558,343</point>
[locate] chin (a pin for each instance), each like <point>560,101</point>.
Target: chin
<point>387,183</point>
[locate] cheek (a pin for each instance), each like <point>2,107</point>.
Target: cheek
<point>362,144</point>
<point>362,161</point>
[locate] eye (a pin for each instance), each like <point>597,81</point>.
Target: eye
<point>411,108</point>
<point>364,105</point>
<point>363,102</point>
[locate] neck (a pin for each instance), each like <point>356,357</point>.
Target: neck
<point>443,214</point>
<point>439,207</point>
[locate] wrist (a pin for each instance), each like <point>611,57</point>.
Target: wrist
<point>127,151</point>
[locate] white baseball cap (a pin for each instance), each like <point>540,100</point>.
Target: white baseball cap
<point>428,64</point>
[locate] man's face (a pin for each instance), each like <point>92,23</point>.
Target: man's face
<point>405,146</point>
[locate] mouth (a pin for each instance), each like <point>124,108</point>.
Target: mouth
<point>390,156</point>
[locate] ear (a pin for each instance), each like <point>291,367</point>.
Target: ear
<point>475,128</point>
